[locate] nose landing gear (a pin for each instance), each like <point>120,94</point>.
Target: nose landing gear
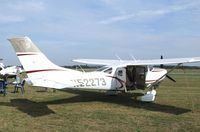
<point>148,97</point>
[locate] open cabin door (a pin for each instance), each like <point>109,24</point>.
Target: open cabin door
<point>135,77</point>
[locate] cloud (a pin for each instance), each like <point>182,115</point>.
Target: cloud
<point>69,26</point>
<point>150,13</point>
<point>18,11</point>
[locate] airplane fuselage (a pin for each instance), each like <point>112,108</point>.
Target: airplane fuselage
<point>111,78</point>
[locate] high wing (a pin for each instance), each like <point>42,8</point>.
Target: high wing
<point>139,62</point>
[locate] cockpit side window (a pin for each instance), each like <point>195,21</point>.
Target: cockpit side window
<point>109,71</point>
<point>105,69</point>
<point>102,68</point>
<point>150,68</point>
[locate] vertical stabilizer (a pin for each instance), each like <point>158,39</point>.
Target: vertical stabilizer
<point>40,70</point>
<point>30,56</point>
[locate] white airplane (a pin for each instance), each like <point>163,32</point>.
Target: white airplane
<point>114,77</point>
<point>9,72</point>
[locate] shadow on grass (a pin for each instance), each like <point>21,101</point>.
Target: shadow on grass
<point>36,109</point>
<point>29,107</point>
<point>32,108</point>
<point>123,99</point>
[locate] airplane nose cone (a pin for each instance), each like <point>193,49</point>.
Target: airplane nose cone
<point>164,71</point>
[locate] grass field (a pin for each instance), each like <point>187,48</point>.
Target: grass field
<point>177,108</point>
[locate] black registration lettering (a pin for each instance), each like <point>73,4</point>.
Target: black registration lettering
<point>91,82</point>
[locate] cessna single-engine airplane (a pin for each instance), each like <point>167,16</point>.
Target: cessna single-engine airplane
<point>116,76</point>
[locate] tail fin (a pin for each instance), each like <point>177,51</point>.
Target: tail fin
<point>30,56</point>
<point>40,70</point>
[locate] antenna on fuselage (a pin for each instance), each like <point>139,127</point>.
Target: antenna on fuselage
<point>132,57</point>
<point>118,57</point>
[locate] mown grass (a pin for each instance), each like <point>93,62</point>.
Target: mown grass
<point>177,108</point>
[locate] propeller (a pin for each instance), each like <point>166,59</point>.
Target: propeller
<point>162,66</point>
<point>170,78</point>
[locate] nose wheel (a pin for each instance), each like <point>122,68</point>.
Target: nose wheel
<point>148,97</point>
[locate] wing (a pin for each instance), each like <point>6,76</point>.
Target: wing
<point>139,62</point>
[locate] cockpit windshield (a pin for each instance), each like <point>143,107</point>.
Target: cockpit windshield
<point>151,68</point>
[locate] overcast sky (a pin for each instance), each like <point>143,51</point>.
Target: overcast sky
<point>71,29</point>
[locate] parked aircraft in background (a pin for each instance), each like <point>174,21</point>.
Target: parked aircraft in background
<point>127,75</point>
<point>10,71</point>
